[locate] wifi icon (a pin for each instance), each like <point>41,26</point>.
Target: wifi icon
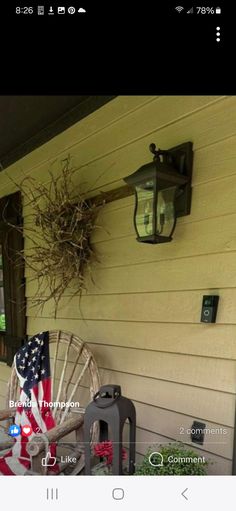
<point>179,8</point>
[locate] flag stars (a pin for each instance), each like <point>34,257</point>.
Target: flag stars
<point>32,362</point>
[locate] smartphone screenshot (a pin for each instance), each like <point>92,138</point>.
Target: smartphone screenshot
<point>117,255</point>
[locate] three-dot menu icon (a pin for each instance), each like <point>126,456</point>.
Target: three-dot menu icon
<point>218,34</point>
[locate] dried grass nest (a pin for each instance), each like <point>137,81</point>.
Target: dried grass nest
<point>60,229</point>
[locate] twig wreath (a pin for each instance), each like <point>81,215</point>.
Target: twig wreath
<point>59,233</point>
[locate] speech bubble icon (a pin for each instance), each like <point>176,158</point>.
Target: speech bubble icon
<point>156,462</point>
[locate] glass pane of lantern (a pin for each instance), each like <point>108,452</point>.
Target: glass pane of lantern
<point>166,211</point>
<point>144,212</point>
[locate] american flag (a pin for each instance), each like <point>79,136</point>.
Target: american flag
<point>32,365</point>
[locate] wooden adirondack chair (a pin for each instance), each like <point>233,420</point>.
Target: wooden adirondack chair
<point>72,363</point>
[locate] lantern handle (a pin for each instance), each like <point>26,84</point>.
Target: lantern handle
<point>105,404</point>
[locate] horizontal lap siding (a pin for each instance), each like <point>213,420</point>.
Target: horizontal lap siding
<point>133,130</point>
<point>141,314</point>
<point>161,307</point>
<point>217,341</point>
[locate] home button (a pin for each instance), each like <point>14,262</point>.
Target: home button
<point>118,493</point>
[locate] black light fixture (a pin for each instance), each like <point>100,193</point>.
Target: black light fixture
<point>163,192</point>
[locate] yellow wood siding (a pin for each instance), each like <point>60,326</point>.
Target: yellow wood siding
<point>141,316</point>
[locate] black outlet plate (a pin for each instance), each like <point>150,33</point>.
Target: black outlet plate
<point>197,432</point>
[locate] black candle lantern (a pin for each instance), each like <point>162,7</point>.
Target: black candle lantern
<point>111,410</point>
<point>163,192</point>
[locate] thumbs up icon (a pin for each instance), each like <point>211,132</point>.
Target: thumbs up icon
<point>14,430</point>
<point>49,461</point>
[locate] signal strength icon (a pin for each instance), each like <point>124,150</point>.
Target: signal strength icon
<point>179,8</point>
<point>190,11</point>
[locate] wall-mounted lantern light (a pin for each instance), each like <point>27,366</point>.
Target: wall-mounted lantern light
<point>163,192</point>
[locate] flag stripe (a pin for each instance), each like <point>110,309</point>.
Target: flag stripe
<point>32,364</point>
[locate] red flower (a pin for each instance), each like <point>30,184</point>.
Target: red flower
<point>105,450</point>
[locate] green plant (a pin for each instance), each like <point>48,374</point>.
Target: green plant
<point>2,322</point>
<point>186,461</point>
